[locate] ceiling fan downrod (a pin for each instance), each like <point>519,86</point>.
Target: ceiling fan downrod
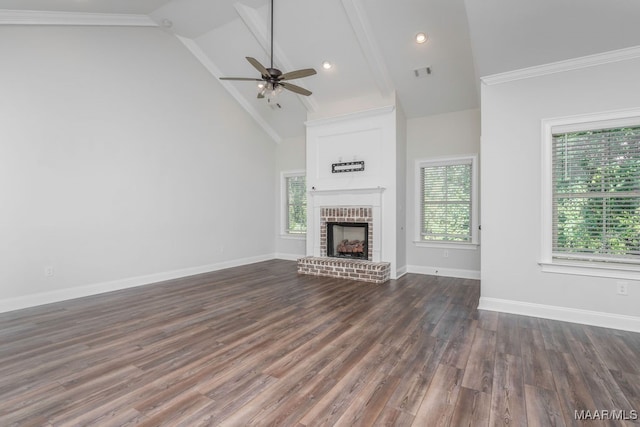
<point>271,35</point>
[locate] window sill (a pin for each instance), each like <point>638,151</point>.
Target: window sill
<point>615,271</point>
<point>447,245</point>
<point>301,236</point>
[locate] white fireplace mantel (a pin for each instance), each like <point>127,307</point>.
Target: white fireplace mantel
<point>375,190</point>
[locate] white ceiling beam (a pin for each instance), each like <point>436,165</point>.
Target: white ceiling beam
<point>35,17</point>
<point>215,71</point>
<point>371,51</point>
<point>258,28</point>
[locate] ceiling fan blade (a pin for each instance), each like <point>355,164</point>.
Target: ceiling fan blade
<point>249,79</point>
<point>296,89</point>
<point>298,74</point>
<point>258,66</point>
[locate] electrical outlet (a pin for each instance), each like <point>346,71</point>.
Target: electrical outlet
<point>49,271</point>
<point>622,288</point>
<point>445,253</point>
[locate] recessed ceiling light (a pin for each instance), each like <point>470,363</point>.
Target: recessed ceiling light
<point>327,65</point>
<point>421,38</point>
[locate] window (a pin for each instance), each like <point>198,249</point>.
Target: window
<point>446,196</point>
<point>596,192</point>
<point>592,185</point>
<point>295,203</point>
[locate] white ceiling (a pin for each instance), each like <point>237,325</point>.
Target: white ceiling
<point>371,43</point>
<point>87,6</point>
<point>508,35</point>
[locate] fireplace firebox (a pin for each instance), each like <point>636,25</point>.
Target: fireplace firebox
<point>348,240</point>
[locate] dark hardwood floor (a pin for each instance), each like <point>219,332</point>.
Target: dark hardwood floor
<point>260,345</point>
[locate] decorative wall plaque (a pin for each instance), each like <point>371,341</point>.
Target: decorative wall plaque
<point>347,167</point>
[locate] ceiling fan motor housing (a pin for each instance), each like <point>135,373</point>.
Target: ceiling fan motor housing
<point>274,73</point>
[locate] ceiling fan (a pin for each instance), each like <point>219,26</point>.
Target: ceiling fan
<point>272,81</point>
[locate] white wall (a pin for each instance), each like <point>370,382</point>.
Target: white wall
<point>290,156</point>
<point>401,190</point>
<point>440,135</point>
<point>511,194</point>
<point>122,161</point>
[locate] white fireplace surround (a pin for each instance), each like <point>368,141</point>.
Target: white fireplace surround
<point>374,138</point>
<point>346,198</point>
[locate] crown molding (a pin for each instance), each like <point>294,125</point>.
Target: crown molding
<point>372,112</point>
<point>34,17</point>
<point>259,30</point>
<point>563,66</point>
<point>215,71</point>
<point>366,39</point>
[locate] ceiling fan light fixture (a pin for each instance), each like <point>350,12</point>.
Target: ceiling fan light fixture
<point>327,65</point>
<point>273,91</point>
<point>421,38</point>
<point>262,90</point>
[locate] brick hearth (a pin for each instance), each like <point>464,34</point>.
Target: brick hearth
<point>366,271</point>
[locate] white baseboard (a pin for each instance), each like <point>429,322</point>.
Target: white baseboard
<point>447,272</point>
<point>565,314</point>
<point>289,257</point>
<point>401,271</point>
<point>17,303</point>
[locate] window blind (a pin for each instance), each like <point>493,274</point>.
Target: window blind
<point>446,202</point>
<point>296,221</point>
<point>596,195</point>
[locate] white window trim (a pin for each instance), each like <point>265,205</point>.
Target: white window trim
<point>439,161</point>
<point>550,126</point>
<point>284,234</point>
<point>471,246</point>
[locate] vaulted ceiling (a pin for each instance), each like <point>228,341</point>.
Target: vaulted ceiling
<point>371,44</point>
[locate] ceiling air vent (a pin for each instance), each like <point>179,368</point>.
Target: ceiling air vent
<point>422,72</point>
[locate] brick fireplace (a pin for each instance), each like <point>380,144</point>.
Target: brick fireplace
<point>328,207</point>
